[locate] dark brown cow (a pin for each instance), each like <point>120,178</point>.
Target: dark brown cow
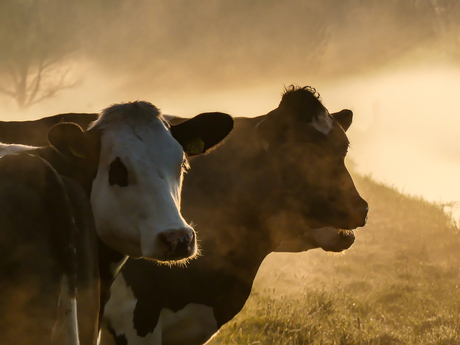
<point>277,178</point>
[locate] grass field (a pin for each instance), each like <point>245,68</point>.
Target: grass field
<point>398,284</point>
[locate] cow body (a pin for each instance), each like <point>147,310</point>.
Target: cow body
<point>129,151</point>
<point>275,181</point>
<point>44,218</point>
<point>34,132</point>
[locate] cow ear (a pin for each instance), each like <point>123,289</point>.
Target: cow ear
<point>69,139</point>
<point>202,132</point>
<point>344,118</point>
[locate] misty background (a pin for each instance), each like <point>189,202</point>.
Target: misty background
<point>395,63</point>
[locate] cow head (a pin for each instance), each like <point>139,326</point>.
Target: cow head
<point>136,193</point>
<point>131,162</point>
<point>306,149</point>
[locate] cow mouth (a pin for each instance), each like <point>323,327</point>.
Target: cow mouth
<point>345,232</point>
<point>346,238</point>
<point>330,239</point>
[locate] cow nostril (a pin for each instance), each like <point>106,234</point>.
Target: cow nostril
<point>177,244</point>
<point>361,206</point>
<point>163,242</point>
<point>183,247</point>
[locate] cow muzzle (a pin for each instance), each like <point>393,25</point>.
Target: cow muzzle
<point>358,215</point>
<point>176,244</point>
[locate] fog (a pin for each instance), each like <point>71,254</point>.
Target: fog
<point>394,63</point>
<point>407,137</point>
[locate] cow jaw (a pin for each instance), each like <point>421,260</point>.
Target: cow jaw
<point>337,241</point>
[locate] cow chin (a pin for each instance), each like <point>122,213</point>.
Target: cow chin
<point>334,240</point>
<point>176,260</point>
<point>346,240</point>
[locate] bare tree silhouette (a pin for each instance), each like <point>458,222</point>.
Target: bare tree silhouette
<point>36,44</point>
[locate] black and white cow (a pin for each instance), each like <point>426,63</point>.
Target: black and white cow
<point>137,162</point>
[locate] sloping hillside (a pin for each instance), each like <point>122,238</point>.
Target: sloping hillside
<point>398,284</point>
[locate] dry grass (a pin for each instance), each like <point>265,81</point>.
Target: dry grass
<point>398,284</point>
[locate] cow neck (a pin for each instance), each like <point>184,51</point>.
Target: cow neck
<point>236,229</point>
<point>110,263</point>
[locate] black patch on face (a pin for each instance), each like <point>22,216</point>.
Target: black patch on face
<point>118,174</point>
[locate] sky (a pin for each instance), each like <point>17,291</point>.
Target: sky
<point>400,77</point>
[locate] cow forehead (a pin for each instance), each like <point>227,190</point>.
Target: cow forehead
<point>145,143</point>
<point>131,114</point>
<point>135,128</point>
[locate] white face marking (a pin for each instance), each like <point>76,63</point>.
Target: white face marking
<point>11,149</point>
<point>130,217</point>
<point>323,123</point>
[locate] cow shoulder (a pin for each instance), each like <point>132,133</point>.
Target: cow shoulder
<point>37,252</point>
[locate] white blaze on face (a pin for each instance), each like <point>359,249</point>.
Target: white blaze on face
<point>323,122</point>
<point>130,213</point>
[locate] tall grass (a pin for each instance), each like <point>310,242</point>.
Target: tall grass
<point>398,284</point>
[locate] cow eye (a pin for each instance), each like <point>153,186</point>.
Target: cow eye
<point>118,174</point>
